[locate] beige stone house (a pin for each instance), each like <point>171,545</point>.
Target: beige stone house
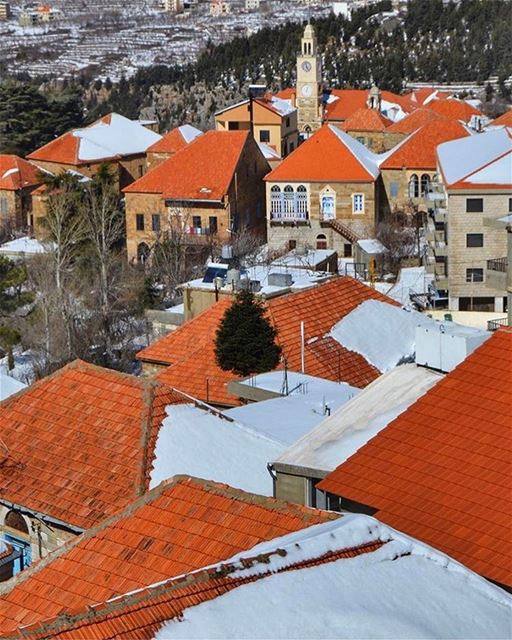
<point>18,179</point>
<point>325,195</point>
<point>204,192</point>
<point>273,122</point>
<point>476,175</point>
<point>113,140</point>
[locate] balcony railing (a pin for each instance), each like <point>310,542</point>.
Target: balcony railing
<point>289,216</point>
<point>494,325</point>
<point>201,231</point>
<point>498,264</point>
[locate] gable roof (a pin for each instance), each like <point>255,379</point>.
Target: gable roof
<point>414,121</point>
<point>329,572</point>
<point>442,471</point>
<point>203,170</point>
<point>418,151</point>
<point>190,349</point>
<point>483,161</point>
<point>424,95</point>
<point>504,120</point>
<point>110,137</point>
<point>175,140</point>
<point>329,155</point>
<point>80,442</point>
<point>16,173</point>
<point>180,526</point>
<point>365,119</point>
<point>454,108</point>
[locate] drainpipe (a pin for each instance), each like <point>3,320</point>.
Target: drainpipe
<point>270,469</point>
<point>509,275</point>
<point>302,346</point>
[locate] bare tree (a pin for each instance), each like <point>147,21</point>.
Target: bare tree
<point>400,236</point>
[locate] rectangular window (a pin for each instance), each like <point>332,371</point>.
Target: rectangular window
<point>474,205</point>
<point>155,222</point>
<point>474,275</point>
<point>358,203</point>
<point>328,207</point>
<point>264,135</point>
<point>139,222</point>
<point>510,205</point>
<point>233,126</point>
<point>287,122</point>
<point>141,170</point>
<point>292,244</point>
<point>347,250</point>
<point>474,239</point>
<point>393,189</point>
<point>3,206</point>
<point>196,222</point>
<point>213,224</point>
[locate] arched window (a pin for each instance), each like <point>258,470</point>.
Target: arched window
<point>302,199</point>
<point>321,241</point>
<point>289,198</point>
<point>414,186</point>
<point>275,200</point>
<point>425,183</point>
<point>14,520</point>
<point>142,252</point>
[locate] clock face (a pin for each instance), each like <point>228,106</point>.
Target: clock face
<point>307,90</point>
<point>306,65</point>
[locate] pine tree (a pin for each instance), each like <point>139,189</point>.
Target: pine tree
<point>245,340</point>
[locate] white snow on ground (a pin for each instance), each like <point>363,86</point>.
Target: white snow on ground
<point>24,245</point>
<point>288,418</point>
<point>405,589</point>
<point>9,385</point>
<point>196,442</point>
<point>349,428</point>
<point>23,366</point>
<point>380,332</point>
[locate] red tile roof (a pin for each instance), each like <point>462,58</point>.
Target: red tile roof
<point>455,109</point>
<point>414,121</point>
<point>323,157</point>
<point>140,615</point>
<point>180,526</point>
<point>190,349</point>
<point>64,150</point>
<point>349,101</point>
<point>81,442</point>
<point>203,170</point>
<point>171,143</point>
<point>505,119</point>
<point>442,471</point>
<point>365,119</point>
<point>419,150</point>
<point>16,173</point>
<point>419,96</point>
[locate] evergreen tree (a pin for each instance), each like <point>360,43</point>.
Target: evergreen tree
<point>245,340</point>
<point>13,277</point>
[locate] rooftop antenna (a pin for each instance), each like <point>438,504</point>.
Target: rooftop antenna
<point>284,389</point>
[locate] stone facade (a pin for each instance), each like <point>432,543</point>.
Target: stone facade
<point>315,231</point>
<point>309,84</point>
<point>464,295</point>
<point>15,208</point>
<point>398,190</point>
<point>243,206</point>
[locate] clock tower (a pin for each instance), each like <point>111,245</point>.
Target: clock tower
<point>309,84</point>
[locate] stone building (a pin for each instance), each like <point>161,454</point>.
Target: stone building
<point>325,195</point>
<point>18,179</point>
<point>368,125</point>
<point>113,140</point>
<point>309,84</point>
<point>476,175</point>
<point>272,120</point>
<point>172,142</point>
<point>209,189</point>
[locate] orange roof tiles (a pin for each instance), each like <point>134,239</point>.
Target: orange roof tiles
<point>203,170</point>
<point>348,101</point>
<point>365,119</point>
<point>180,526</point>
<point>442,471</point>
<point>63,149</point>
<point>81,442</point>
<point>190,349</point>
<point>16,173</point>
<point>323,157</point>
<point>171,143</point>
<point>504,120</point>
<point>418,151</point>
<point>140,615</point>
<point>414,121</point>
<point>455,109</point>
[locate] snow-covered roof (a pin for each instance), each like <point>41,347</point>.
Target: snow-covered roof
<point>288,418</point>
<point>365,157</point>
<point>189,133</point>
<point>371,246</point>
<point>398,588</point>
<point>485,158</point>
<point>24,245</point>
<point>310,258</point>
<point>199,443</point>
<point>410,280</point>
<point>268,152</point>
<point>341,434</point>
<point>9,385</point>
<point>119,136</point>
<point>283,107</point>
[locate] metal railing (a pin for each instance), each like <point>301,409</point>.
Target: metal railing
<point>494,325</point>
<point>289,216</point>
<point>498,264</point>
